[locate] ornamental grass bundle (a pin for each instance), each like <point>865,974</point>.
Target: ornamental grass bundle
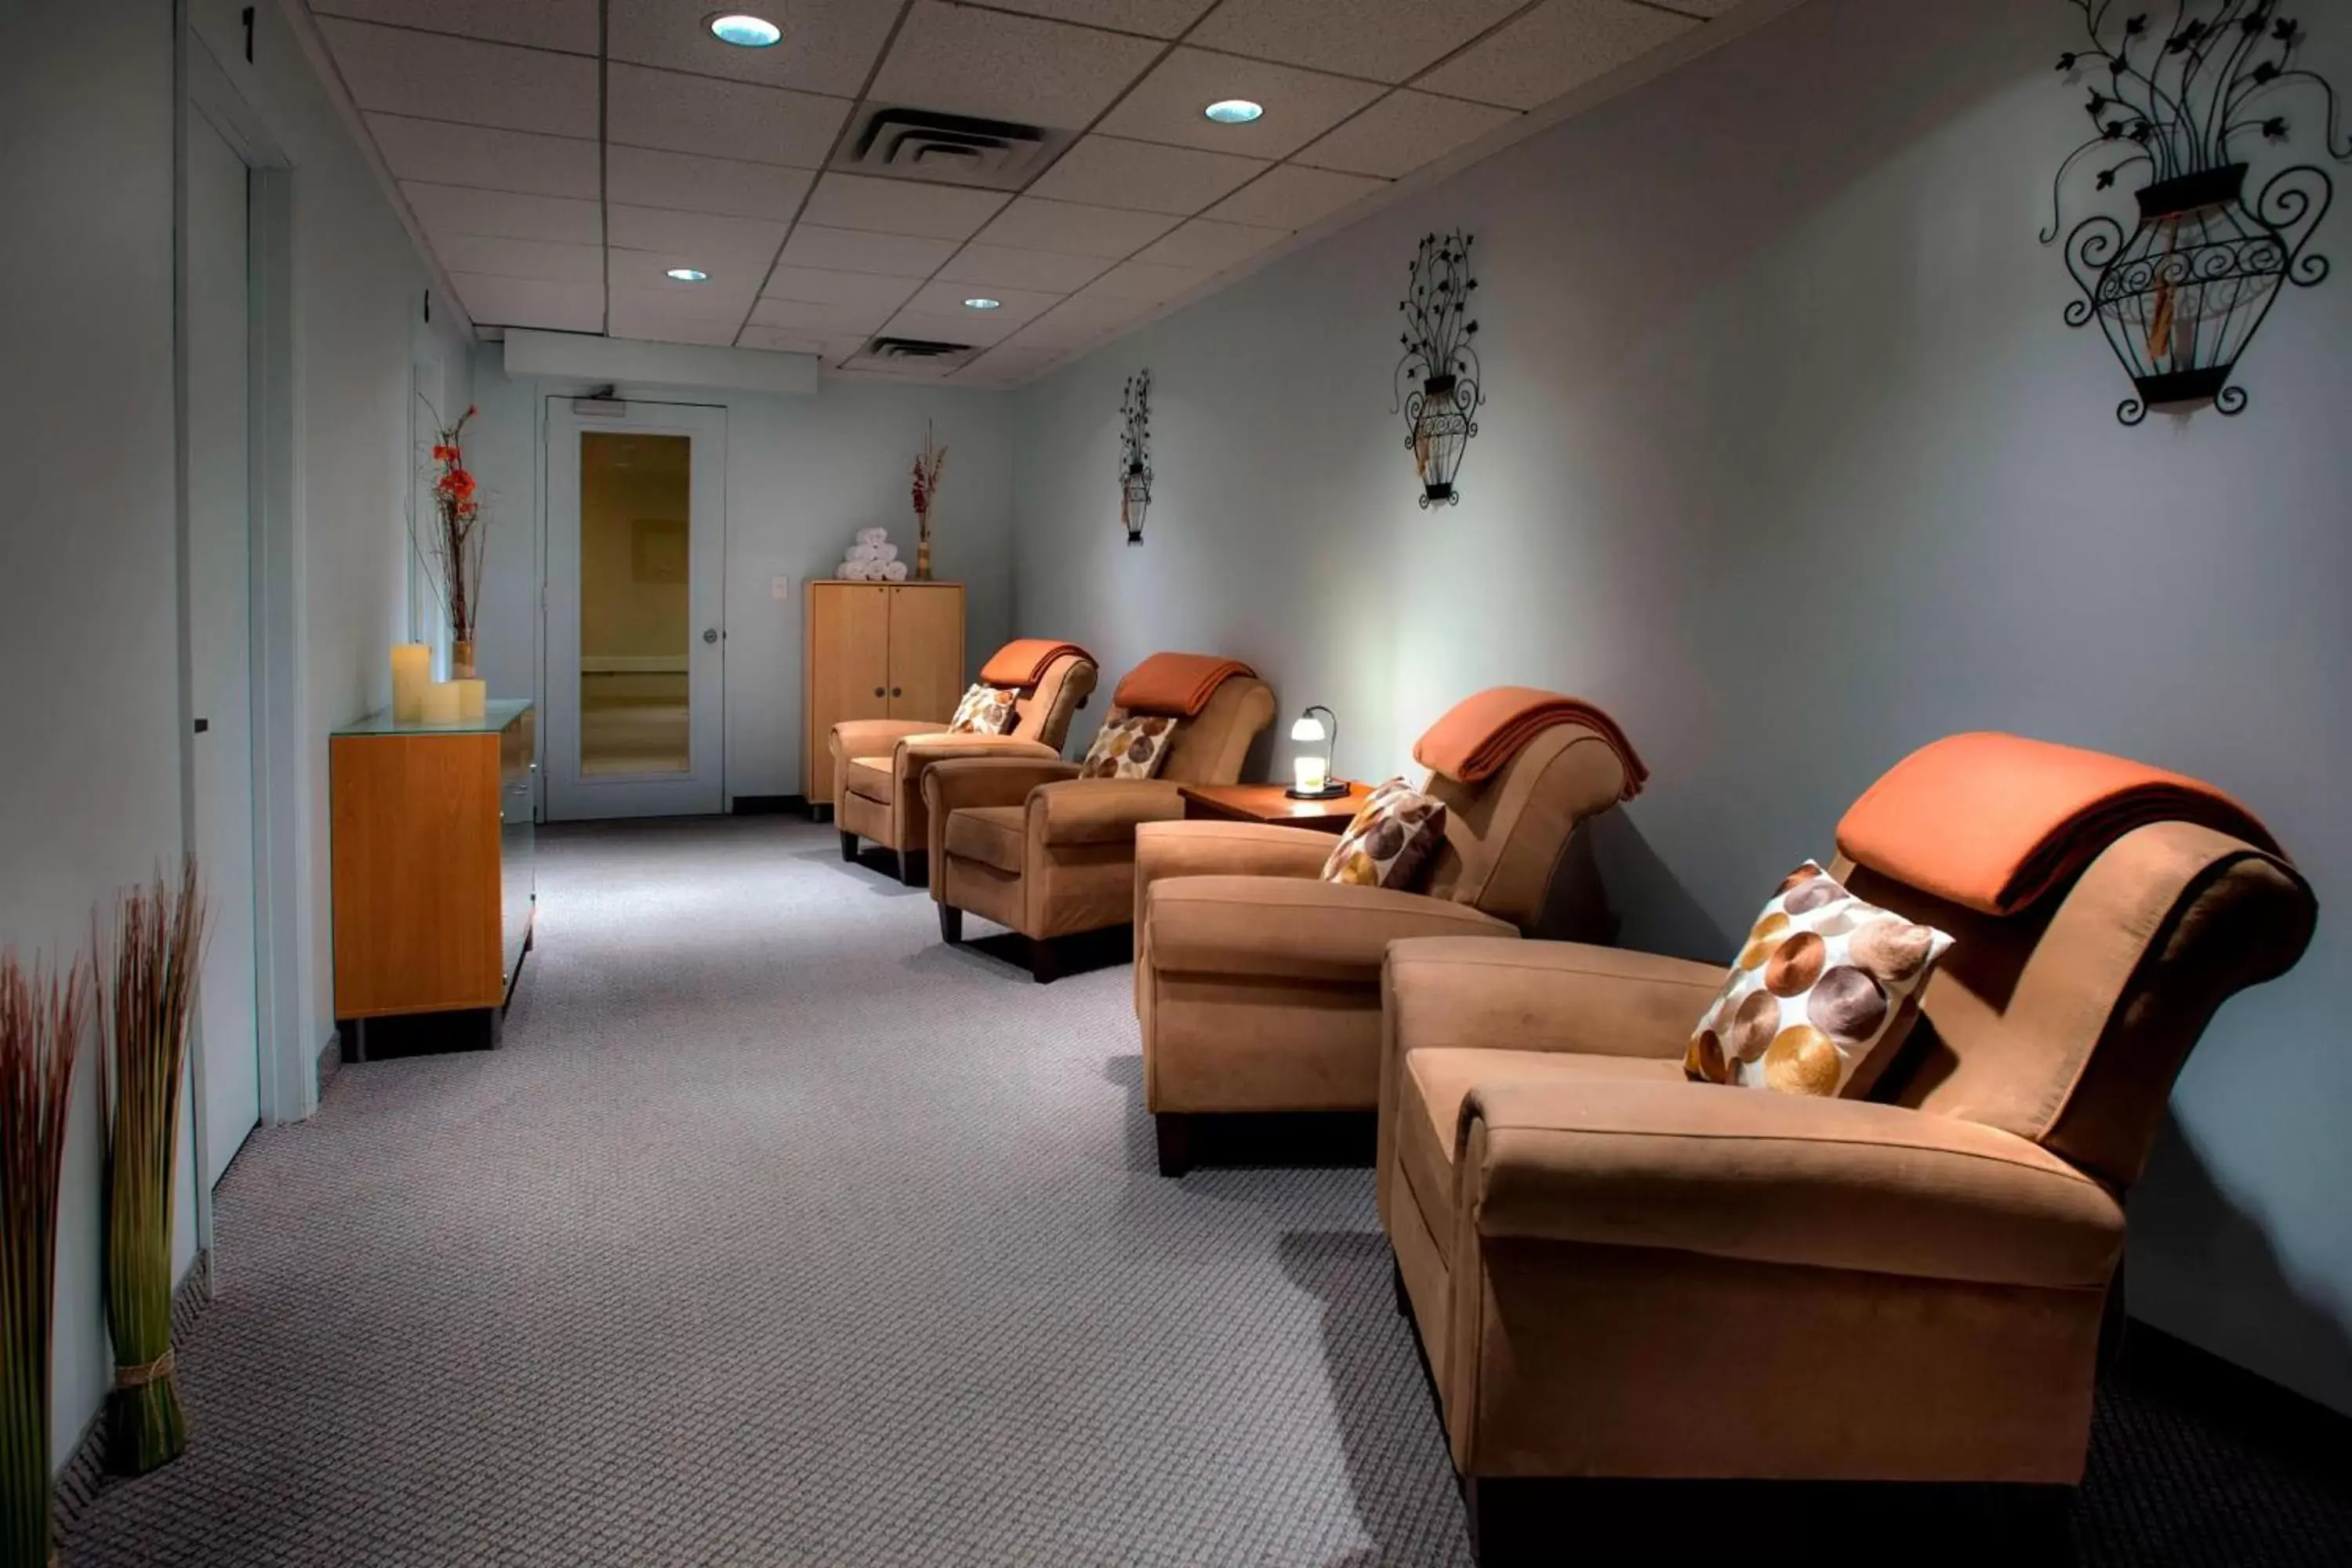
<point>145,1007</point>
<point>42,1019</point>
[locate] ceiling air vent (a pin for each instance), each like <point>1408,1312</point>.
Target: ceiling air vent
<point>919,356</point>
<point>924,144</point>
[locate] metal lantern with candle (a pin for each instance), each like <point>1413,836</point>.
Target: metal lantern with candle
<point>1312,766</point>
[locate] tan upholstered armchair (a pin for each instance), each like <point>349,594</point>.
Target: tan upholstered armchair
<point>1258,985</point>
<point>878,763</point>
<point>1627,1279</point>
<point>1026,843</point>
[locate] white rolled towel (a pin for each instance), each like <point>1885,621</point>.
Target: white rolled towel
<point>894,572</point>
<point>873,536</point>
<point>856,570</point>
<point>866,552</point>
<point>885,554</point>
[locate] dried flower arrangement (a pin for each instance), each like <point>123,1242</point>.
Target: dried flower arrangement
<point>458,539</point>
<point>928,464</point>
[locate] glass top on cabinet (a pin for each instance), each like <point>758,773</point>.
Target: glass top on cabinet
<point>499,714</point>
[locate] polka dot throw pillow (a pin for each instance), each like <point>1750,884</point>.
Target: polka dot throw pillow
<point>1822,995</point>
<point>985,710</point>
<point>1130,748</point>
<point>1394,834</point>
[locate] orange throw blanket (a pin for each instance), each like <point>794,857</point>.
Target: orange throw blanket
<point>1995,822</point>
<point>1177,683</point>
<point>1480,734</point>
<point>1022,661</point>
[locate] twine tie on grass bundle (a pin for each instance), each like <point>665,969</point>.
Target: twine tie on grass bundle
<point>141,1376</point>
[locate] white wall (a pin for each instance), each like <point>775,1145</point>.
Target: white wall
<point>1790,461</point>
<point>803,475</point>
<point>91,791</point>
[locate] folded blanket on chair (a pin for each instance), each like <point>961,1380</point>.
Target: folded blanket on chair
<point>1994,822</point>
<point>1177,683</point>
<point>1480,735</point>
<point>1022,661</point>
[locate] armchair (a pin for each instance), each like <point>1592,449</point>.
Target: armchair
<point>1675,1300</point>
<point>1258,985</point>
<point>878,763</point>
<point>1028,844</point>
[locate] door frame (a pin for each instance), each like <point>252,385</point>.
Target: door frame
<point>210,92</point>
<point>707,424</point>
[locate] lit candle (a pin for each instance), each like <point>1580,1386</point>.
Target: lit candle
<point>441,702</point>
<point>1310,775</point>
<point>472,699</point>
<point>412,669</point>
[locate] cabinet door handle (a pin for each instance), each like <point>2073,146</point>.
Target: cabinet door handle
<point>877,691</point>
<point>896,692</point>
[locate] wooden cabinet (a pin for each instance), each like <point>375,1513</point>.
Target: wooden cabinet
<point>433,886</point>
<point>877,650</point>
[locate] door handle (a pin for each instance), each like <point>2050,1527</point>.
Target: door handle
<point>710,633</point>
<point>878,691</point>
<point>896,692</point>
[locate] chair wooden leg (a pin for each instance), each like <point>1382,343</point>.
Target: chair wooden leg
<point>1173,1131</point>
<point>1403,1300</point>
<point>951,925</point>
<point>849,847</point>
<point>1045,961</point>
<point>914,867</point>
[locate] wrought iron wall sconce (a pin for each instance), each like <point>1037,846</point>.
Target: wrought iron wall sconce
<point>1135,455</point>
<point>1437,379</point>
<point>2182,294</point>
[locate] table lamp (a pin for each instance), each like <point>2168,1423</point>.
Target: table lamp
<point>1313,764</point>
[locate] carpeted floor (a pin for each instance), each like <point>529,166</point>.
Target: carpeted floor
<point>777,1233</point>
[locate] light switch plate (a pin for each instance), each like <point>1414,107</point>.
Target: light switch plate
<point>782,589</point>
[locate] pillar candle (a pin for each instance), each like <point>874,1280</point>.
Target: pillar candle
<point>1312,773</point>
<point>412,667</point>
<point>472,699</point>
<point>441,702</point>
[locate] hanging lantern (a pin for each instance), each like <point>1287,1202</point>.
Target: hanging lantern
<point>2182,295</point>
<point>1135,455</point>
<point>1437,379</point>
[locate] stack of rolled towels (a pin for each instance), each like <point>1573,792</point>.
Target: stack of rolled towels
<point>873,559</point>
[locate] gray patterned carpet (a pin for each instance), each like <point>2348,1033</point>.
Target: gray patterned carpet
<point>777,1233</point>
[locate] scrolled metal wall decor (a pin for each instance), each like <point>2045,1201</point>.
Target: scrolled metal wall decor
<point>1437,380</point>
<point>1135,455</point>
<point>2182,293</point>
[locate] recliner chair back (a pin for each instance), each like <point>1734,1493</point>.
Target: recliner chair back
<point>1506,835</point>
<point>2067,1022</point>
<point>1043,712</point>
<point>1211,746</point>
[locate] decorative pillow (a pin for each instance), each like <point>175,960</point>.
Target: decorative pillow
<point>1130,748</point>
<point>1390,843</point>
<point>985,710</point>
<point>1821,997</point>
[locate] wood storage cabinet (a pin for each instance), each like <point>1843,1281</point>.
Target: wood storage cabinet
<point>877,650</point>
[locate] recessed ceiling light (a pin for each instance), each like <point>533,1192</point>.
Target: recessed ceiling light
<point>983,304</point>
<point>689,275</point>
<point>1234,111</point>
<point>744,32</point>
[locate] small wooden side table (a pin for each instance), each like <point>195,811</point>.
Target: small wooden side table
<point>1271,803</point>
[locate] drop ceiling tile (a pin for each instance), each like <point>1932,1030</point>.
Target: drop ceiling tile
<point>1143,283</point>
<point>1402,133</point>
<point>963,326</point>
<point>1031,222</point>
<point>1160,18</point>
<point>439,77</point>
<point>900,206</point>
<point>687,182</point>
<point>852,250</point>
<point>520,302</point>
<point>484,159</point>
<point>567,25</point>
<point>1005,366</point>
<point>818,285</point>
<point>999,267</point>
<point>649,324</point>
<point>1112,172</point>
<point>1081,318</point>
<point>713,239</point>
<point>535,258</point>
<point>1291,197</point>
<point>727,293</point>
<point>784,340</point>
<point>504,215</point>
<point>821,321</point>
<point>1559,46</point>
<point>678,302</point>
<point>964,60</point>
<point>828,46</point>
<point>1014,306</point>
<point>1388,40</point>
<point>1205,243</point>
<point>1300,105</point>
<point>646,108</point>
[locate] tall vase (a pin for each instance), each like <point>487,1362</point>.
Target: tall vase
<point>923,559</point>
<point>461,660</point>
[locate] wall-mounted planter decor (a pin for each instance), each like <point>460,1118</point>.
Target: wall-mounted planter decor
<point>2180,97</point>
<point>1135,455</point>
<point>1437,379</point>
